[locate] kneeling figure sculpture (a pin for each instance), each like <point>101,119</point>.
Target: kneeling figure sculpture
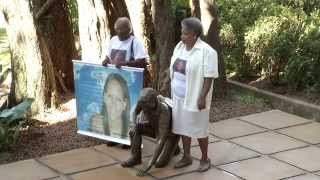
<point>153,119</point>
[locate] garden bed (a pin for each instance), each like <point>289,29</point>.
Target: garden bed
<point>310,96</point>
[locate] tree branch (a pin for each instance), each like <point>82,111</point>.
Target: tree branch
<point>62,84</point>
<point>44,8</point>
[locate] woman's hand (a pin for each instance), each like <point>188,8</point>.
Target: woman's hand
<point>201,102</point>
<point>206,88</point>
<point>118,63</point>
<point>106,62</point>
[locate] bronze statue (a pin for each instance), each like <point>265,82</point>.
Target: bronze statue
<point>153,119</point>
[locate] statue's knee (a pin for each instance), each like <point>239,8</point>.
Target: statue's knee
<point>139,128</point>
<point>132,132</point>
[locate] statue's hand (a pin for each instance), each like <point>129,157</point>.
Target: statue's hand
<point>132,132</point>
<point>141,172</point>
<point>161,98</point>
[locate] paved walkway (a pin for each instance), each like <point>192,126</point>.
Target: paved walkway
<point>265,146</point>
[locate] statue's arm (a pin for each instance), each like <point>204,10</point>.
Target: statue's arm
<point>137,111</point>
<point>156,154</point>
<point>164,128</point>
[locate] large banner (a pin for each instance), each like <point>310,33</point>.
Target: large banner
<point>106,98</point>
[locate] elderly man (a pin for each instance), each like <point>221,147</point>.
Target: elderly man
<point>124,49</point>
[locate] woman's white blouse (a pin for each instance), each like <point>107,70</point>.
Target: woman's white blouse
<point>202,62</point>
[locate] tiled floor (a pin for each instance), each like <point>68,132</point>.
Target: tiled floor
<point>265,146</point>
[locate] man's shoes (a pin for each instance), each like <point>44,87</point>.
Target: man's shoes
<point>131,162</point>
<point>204,165</point>
<point>185,161</point>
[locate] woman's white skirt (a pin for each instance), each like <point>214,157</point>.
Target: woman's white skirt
<point>188,123</point>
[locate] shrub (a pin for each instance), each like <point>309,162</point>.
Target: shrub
<point>10,124</point>
<point>236,18</point>
<point>308,6</point>
<point>303,70</point>
<point>272,41</point>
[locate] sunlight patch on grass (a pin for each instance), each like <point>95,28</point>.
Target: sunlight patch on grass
<point>3,35</point>
<point>5,58</point>
<point>248,98</point>
<point>4,47</point>
<point>4,54</point>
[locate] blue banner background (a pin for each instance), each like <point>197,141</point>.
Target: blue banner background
<point>89,84</point>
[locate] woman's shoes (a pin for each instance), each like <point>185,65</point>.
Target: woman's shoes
<point>185,161</point>
<point>204,165</point>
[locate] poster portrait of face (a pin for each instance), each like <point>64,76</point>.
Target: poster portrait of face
<point>106,98</point>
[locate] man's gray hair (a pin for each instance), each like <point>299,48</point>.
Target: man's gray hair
<point>193,24</point>
<point>123,20</point>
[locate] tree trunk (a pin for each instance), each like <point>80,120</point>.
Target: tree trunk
<point>195,8</point>
<point>115,9</point>
<point>164,22</point>
<point>94,29</point>
<point>210,22</point>
<point>32,69</point>
<point>138,16</point>
<point>96,25</point>
<point>54,26</point>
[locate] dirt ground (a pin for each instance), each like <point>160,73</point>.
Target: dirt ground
<point>61,134</point>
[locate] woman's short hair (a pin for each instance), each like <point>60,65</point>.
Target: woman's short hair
<point>123,20</point>
<point>193,24</point>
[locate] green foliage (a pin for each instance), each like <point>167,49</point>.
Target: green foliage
<point>183,3</point>
<point>248,98</point>
<point>278,39</point>
<point>236,17</point>
<point>10,123</point>
<point>180,10</point>
<point>4,72</point>
<point>303,70</point>
<point>3,35</point>
<point>229,40</point>
<point>73,15</point>
<point>4,55</point>
<point>272,40</point>
<point>308,6</point>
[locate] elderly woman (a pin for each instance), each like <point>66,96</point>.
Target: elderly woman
<point>193,67</point>
<point>124,49</point>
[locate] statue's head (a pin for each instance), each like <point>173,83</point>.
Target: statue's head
<point>148,99</point>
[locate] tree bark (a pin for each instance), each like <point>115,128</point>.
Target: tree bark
<point>96,26</point>
<point>195,8</point>
<point>210,22</point>
<point>138,17</point>
<point>32,69</point>
<point>94,29</point>
<point>115,9</point>
<point>164,21</point>
<point>53,23</point>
